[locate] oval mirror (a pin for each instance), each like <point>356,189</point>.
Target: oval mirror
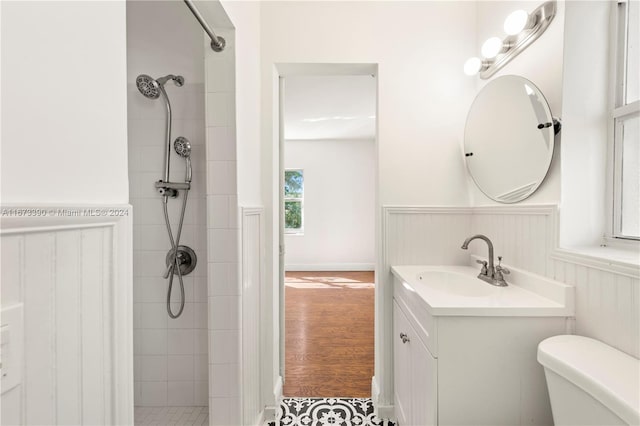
<point>508,139</point>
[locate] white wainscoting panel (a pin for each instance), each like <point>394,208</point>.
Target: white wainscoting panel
<point>252,281</point>
<point>412,235</point>
<point>607,304</point>
<point>72,277</point>
<point>522,235</point>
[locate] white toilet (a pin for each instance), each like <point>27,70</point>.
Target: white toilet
<point>590,383</point>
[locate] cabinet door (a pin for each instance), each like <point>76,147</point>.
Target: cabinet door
<point>401,367</point>
<point>424,386</point>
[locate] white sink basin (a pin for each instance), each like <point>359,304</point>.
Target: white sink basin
<point>456,283</point>
<point>457,290</point>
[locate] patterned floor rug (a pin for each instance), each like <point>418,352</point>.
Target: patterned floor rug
<point>328,412</point>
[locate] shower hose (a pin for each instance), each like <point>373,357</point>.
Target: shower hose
<point>175,261</point>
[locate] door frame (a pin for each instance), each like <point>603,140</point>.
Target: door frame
<point>282,71</point>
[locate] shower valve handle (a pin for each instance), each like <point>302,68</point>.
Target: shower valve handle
<point>169,270</point>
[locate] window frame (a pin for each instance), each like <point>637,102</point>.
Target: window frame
<point>295,231</point>
<point>618,111</point>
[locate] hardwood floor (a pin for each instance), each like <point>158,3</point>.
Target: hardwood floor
<point>329,320</point>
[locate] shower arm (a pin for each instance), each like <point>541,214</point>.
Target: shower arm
<point>217,43</point>
<point>167,147</point>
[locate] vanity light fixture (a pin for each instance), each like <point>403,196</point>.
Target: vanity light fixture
<point>516,22</point>
<point>491,47</point>
<point>522,29</point>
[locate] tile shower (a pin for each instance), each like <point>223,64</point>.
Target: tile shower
<point>170,355</point>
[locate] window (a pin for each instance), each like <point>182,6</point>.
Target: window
<point>293,201</point>
<point>625,118</point>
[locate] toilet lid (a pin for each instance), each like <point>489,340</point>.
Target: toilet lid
<point>607,374</point>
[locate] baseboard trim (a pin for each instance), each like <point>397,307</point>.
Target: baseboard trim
<point>261,419</point>
<point>270,412</point>
<point>386,412</point>
<point>331,267</point>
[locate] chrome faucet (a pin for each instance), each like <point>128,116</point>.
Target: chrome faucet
<point>489,273</point>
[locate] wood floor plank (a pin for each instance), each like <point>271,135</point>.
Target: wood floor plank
<point>329,319</point>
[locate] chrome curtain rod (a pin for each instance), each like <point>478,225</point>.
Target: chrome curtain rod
<point>217,42</point>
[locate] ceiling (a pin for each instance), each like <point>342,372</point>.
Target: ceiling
<point>329,107</point>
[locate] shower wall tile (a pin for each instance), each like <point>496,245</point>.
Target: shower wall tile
<point>153,394</point>
<point>224,287</point>
<point>185,321</point>
<point>220,76</point>
<point>152,342</point>
<point>180,342</point>
<point>153,368</point>
<point>219,211</point>
<point>153,316</point>
<point>200,290</point>
<point>223,145</point>
<point>201,342</point>
<point>201,392</point>
<point>221,379</point>
<point>192,129</point>
<point>223,244</point>
<point>228,351</point>
<point>201,315</point>
<point>218,113</point>
<point>181,367</point>
<point>221,178</point>
<point>180,393</point>
<point>159,340</point>
<point>225,312</point>
<point>222,282</point>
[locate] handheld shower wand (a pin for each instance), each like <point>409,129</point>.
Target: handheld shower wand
<point>181,260</point>
<point>183,149</point>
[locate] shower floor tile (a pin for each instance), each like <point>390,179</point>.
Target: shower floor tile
<point>165,416</point>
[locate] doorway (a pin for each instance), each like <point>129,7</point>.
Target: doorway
<point>328,192</point>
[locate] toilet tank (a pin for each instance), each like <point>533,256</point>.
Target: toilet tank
<point>590,383</point>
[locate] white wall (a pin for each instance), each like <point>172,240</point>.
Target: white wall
<point>64,122</point>
<point>170,355</point>
<point>542,64</point>
<point>245,16</point>
<point>339,205</point>
<point>585,113</point>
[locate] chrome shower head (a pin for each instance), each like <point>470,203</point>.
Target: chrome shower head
<point>151,88</point>
<point>182,146</point>
<point>148,86</point>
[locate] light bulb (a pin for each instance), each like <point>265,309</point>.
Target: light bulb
<point>491,47</point>
<point>516,22</point>
<point>472,66</point>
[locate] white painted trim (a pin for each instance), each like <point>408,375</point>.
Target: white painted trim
<point>122,269</point>
<point>528,209</point>
<point>270,412</point>
<point>400,209</point>
<point>261,419</point>
<point>386,412</point>
<point>277,391</point>
<point>247,315</point>
<point>331,267</point>
<point>601,263</point>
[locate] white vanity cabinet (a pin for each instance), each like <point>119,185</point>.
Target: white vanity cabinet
<point>415,374</point>
<point>472,360</point>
